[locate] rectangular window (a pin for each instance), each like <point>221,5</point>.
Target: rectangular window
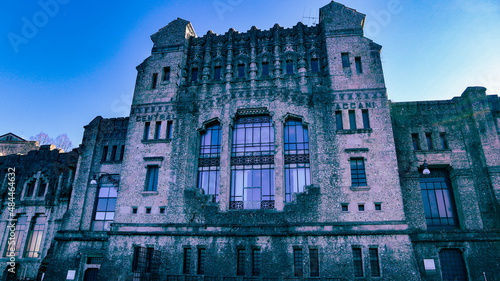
<point>166,74</point>
<point>444,143</point>
<point>145,260</point>
<point>358,176</point>
<point>134,210</point>
<point>452,265</point>
<point>201,261</point>
<point>314,262</point>
<point>345,60</point>
<point>359,68</point>
<point>186,261</point>
<point>361,207</point>
<point>148,210</point>
<point>157,130</point>
<point>416,142</point>
<point>152,178</point>
<point>338,118</point>
<point>345,207</point>
<point>241,70</point>
<point>15,248</point>
<point>297,262</point>
<point>352,120</point>
<point>104,210</point>
<point>378,206</point>
<point>217,73</point>
<point>437,196</point>
<point>297,172</point>
<point>366,119</point>
<point>428,138</point>
<point>35,235</point>
<point>358,262</point>
<point>155,79</point>
<point>42,186</point>
<point>122,151</point>
<point>104,153</point>
<point>265,69</point>
<point>374,262</point>
<point>162,210</point>
<point>194,74</point>
<point>256,262</point>
<point>169,129</point>
<point>314,65</point>
<point>146,131</point>
<point>113,152</point>
<point>289,67</point>
<point>240,266</point>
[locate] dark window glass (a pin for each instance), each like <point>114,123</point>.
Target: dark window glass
<point>209,161</point>
<point>252,185</point>
<point>345,207</point>
<point>265,69</point>
<point>152,178</point>
<point>166,74</point>
<point>241,70</point>
<point>148,210</point>
<point>358,262</point>
<point>122,152</point>
<point>256,262</point>
<point>217,73</point>
<point>162,210</point>
<point>352,120</point>
<point>157,130</point>
<point>194,74</point>
<point>438,200</point>
<point>452,265</point>
<point>314,262</point>
<point>113,152</point>
<point>359,68</point>
<point>358,176</point>
<point>186,265</point>
<point>145,136</point>
<point>134,210</point>
<point>41,188</point>
<point>366,119</point>
<point>94,260</point>
<point>155,79</point>
<point>338,118</point>
<point>34,242</point>
<point>104,153</point>
<point>345,60</point>
<point>416,142</point>
<point>444,143</point>
<point>169,129</point>
<point>289,67</point>
<point>297,168</point>
<point>21,225</point>
<point>297,262</point>
<point>378,206</point>
<point>314,65</point>
<point>201,260</point>
<point>361,208</point>
<point>428,138</point>
<point>104,213</point>
<point>145,260</point>
<point>240,270</point>
<point>374,262</point>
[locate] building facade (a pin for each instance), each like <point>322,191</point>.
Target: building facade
<point>277,155</point>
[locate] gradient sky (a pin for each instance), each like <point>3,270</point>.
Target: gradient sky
<point>80,61</point>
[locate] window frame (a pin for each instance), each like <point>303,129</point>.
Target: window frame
<point>152,171</point>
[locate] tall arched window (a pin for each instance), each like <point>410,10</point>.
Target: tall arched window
<point>104,213</point>
<point>252,163</point>
<point>209,160</point>
<point>297,168</point>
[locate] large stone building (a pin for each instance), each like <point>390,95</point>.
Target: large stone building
<point>276,155</point>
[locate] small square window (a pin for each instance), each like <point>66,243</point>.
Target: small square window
<point>148,210</point>
<point>361,207</point>
<point>378,206</point>
<point>345,207</point>
<point>134,210</point>
<point>162,210</point>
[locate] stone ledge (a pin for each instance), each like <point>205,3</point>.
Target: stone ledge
<point>149,193</point>
<point>357,188</point>
<point>156,141</point>
<point>357,131</point>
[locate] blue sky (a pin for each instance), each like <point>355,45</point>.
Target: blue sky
<point>63,62</point>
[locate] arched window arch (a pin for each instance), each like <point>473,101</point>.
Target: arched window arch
<point>297,166</point>
<point>209,160</point>
<point>252,163</point>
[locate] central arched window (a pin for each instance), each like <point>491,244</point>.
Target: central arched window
<point>209,160</point>
<point>252,163</point>
<point>297,168</point>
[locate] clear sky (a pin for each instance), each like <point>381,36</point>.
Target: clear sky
<point>63,63</point>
